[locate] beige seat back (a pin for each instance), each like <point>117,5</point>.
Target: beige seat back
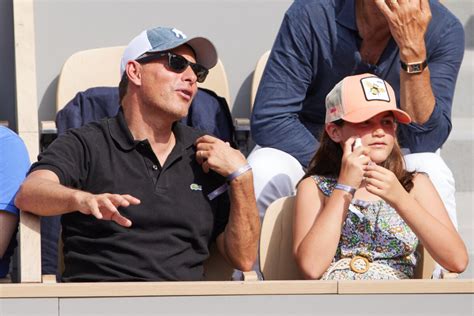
<point>426,264</point>
<point>257,76</point>
<point>101,67</point>
<point>217,82</point>
<point>276,256</point>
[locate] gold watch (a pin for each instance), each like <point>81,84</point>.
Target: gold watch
<point>414,68</point>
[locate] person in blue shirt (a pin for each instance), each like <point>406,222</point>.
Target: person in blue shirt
<point>416,46</point>
<point>14,164</point>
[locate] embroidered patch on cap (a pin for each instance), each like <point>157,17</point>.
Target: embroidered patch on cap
<point>375,89</point>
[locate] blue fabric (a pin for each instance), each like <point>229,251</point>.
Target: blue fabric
<point>316,47</point>
<point>14,164</point>
<point>208,112</point>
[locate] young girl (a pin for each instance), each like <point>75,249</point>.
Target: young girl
<point>358,213</point>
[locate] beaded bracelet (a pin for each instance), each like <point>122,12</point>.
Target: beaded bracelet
<point>345,187</point>
<point>238,172</point>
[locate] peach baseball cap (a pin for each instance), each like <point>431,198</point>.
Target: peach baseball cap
<point>357,98</point>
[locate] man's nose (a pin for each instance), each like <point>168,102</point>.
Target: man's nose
<point>189,75</point>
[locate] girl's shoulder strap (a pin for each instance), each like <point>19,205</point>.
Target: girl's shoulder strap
<point>325,184</point>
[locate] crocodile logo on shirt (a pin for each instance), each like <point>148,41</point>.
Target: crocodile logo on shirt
<point>195,187</point>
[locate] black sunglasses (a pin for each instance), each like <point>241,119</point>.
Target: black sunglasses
<point>177,63</point>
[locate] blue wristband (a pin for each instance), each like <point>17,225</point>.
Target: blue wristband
<point>346,188</point>
<point>238,172</point>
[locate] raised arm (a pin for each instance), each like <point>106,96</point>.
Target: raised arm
<point>423,210</point>
<point>49,189</point>
<point>318,220</point>
<point>283,87</point>
<point>426,96</point>
<point>42,194</point>
<point>239,241</point>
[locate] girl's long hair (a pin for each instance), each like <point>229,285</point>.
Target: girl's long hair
<point>327,161</point>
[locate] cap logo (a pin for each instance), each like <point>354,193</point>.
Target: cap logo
<point>178,33</point>
<point>375,89</point>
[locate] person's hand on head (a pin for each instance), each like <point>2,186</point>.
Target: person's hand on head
<point>214,154</point>
<point>104,206</point>
<point>408,22</point>
<point>354,162</point>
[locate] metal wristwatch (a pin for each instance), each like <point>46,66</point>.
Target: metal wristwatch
<point>414,68</point>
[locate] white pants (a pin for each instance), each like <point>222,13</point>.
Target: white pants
<point>277,173</point>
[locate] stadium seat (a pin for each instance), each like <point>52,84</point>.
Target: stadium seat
<point>276,255</point>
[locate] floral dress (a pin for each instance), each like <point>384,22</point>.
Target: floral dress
<point>375,231</point>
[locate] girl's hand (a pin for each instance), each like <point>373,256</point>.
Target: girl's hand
<point>383,183</point>
<point>353,163</point>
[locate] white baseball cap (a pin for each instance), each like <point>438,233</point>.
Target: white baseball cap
<point>161,39</point>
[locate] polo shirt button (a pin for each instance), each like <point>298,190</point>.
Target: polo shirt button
<point>155,167</point>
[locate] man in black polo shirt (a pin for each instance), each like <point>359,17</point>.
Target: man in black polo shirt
<point>159,192</point>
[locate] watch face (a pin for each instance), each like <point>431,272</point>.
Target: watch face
<point>414,68</point>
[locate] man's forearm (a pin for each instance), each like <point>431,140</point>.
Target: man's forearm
<point>42,194</point>
<point>242,230</point>
<point>408,23</point>
<point>416,95</point>
<point>45,197</point>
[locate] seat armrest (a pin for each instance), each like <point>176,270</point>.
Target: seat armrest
<point>448,275</point>
<point>30,248</point>
<point>242,134</point>
<point>49,278</point>
<point>242,124</point>
<point>48,127</point>
<point>250,276</point>
<point>49,132</point>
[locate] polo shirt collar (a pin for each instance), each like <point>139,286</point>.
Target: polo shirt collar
<point>346,14</point>
<point>185,135</point>
<point>119,131</point>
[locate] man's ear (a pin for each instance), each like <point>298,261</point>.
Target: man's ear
<point>334,132</point>
<point>133,70</point>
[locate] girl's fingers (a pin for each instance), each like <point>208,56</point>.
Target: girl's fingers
<point>347,148</point>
